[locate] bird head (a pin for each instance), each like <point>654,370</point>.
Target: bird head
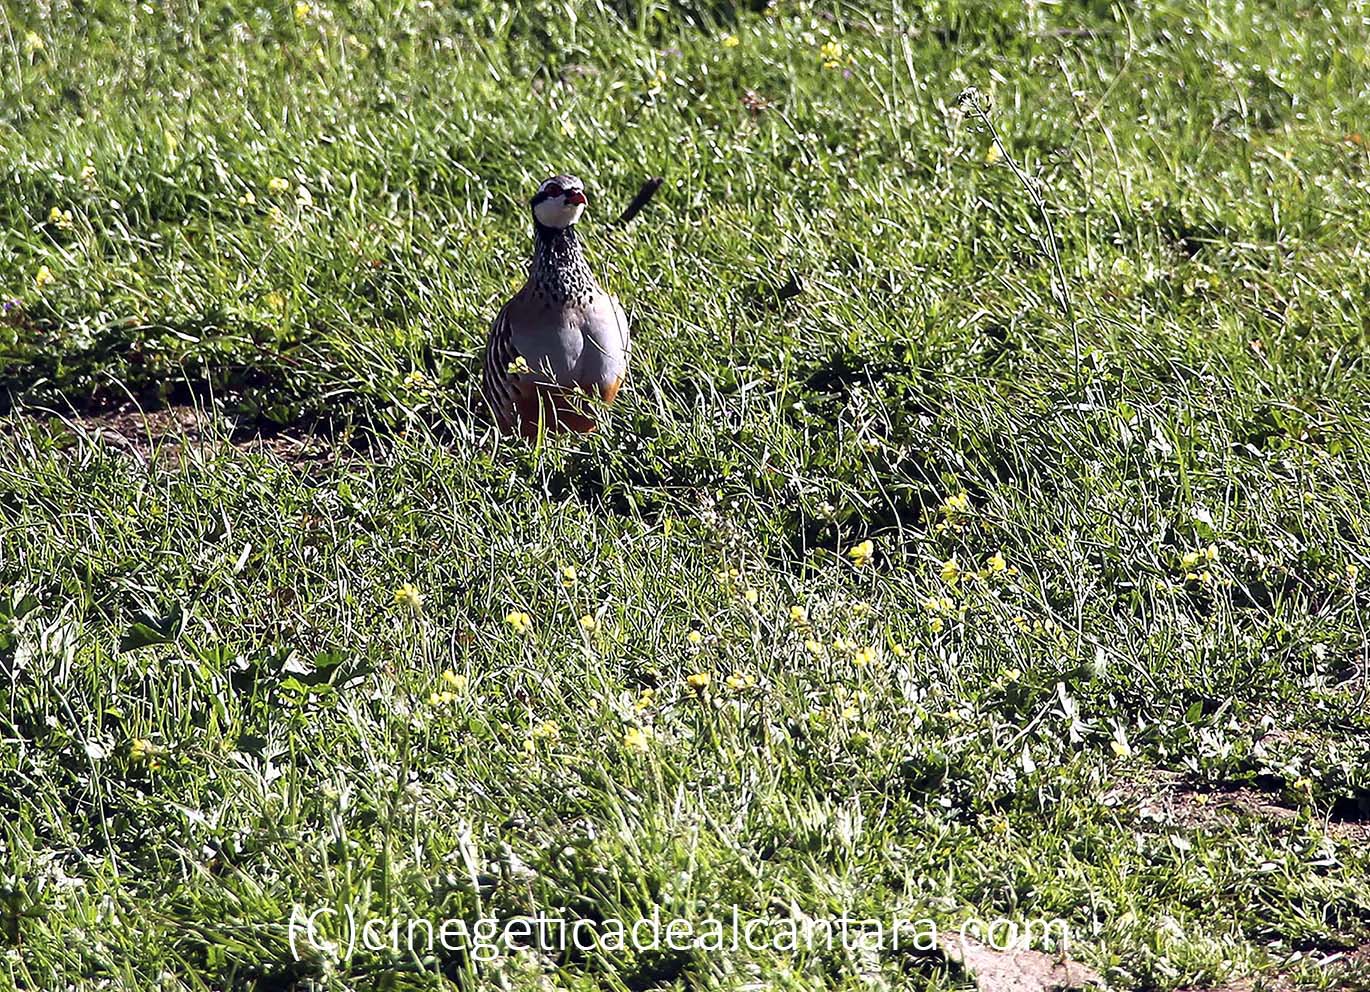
<point>559,202</point>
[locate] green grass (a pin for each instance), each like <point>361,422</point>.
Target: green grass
<point>845,317</point>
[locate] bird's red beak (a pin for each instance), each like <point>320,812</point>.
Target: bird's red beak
<point>575,196</point>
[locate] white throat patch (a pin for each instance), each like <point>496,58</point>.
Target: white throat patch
<point>555,212</point>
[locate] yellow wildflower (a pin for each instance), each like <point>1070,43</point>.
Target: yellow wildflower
<point>588,623</point>
<point>520,622</point>
<point>695,638</point>
<point>278,185</point>
<point>638,739</point>
<point>274,300</point>
<point>951,571</point>
<point>419,382</point>
<point>43,277</point>
<point>863,656</point>
<point>302,12</point>
<point>569,575</point>
<point>645,701</point>
<point>456,680</point>
<point>953,505</point>
<point>935,624</point>
<point>731,41</point>
<point>814,647</point>
<point>993,154</point>
<point>519,366</point>
<point>1352,572</point>
<point>699,681</point>
<point>409,597</point>
<point>832,54</point>
<point>88,173</point>
<point>141,750</point>
<point>751,595</point>
<point>799,616</point>
<point>547,730</point>
<point>247,199</point>
<point>996,563</point>
<point>60,218</point>
<point>739,682</point>
<point>862,554</point>
<point>899,651</point>
<point>33,42</point>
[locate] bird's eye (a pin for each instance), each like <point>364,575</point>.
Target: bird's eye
<point>552,189</point>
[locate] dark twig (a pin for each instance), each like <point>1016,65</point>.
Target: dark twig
<point>644,196</point>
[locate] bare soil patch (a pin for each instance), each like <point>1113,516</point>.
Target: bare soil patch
<point>1167,796</point>
<point>147,433</point>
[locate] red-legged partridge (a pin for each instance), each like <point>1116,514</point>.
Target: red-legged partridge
<point>561,334</point>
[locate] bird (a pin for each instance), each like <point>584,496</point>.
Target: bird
<point>561,337</point>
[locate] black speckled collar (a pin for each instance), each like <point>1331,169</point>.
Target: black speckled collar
<point>559,269</point>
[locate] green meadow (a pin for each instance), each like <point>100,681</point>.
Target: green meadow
<point>982,531</point>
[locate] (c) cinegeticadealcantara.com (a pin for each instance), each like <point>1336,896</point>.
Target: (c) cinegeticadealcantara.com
<point>340,933</point>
